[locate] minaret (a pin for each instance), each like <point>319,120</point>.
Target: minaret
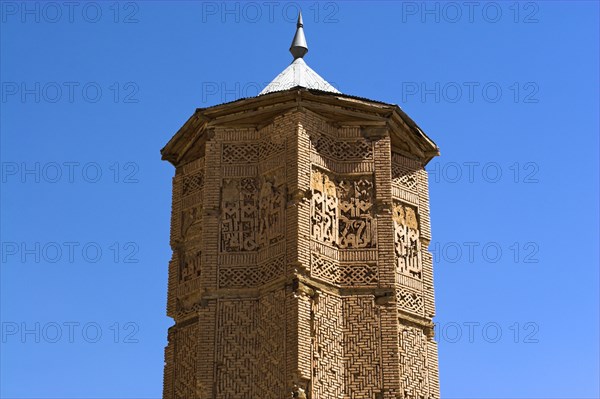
<point>300,228</point>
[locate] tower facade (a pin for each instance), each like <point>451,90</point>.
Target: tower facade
<point>300,228</point>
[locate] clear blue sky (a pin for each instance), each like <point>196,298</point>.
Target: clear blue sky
<point>91,92</point>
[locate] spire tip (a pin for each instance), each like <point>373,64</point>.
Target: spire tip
<point>299,47</point>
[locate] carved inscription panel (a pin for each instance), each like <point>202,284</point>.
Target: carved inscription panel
<point>239,214</point>
<point>252,213</point>
<point>342,210</point>
<point>271,212</point>
<point>356,214</point>
<point>190,222</point>
<point>406,241</point>
<point>191,233</point>
<point>324,209</point>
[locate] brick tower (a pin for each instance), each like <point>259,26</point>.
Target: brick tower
<point>300,228</point>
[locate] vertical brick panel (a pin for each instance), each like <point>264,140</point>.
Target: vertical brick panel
<point>176,209</point>
<point>303,185</point>
<point>423,187</point>
<point>210,232</point>
<point>173,279</point>
<point>172,284</point>
<point>206,350</point>
<point>385,226</point>
<point>428,284</point>
<point>434,379</point>
<point>425,224</point>
<point>168,372</point>
<point>300,338</point>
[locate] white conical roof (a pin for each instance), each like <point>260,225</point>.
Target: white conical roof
<point>298,74</point>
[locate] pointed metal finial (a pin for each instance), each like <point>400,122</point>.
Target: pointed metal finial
<point>299,47</point>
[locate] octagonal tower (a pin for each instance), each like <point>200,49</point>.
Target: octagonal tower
<point>300,228</point>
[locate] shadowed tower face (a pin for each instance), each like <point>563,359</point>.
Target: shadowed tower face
<point>300,228</point>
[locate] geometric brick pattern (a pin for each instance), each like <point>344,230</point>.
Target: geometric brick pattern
<point>328,356</point>
<point>193,183</point>
<point>249,352</point>
<point>236,339</point>
<point>238,277</point>
<point>404,173</point>
<point>186,345</point>
<point>410,301</point>
<point>346,352</point>
<point>324,269</point>
<point>240,153</point>
<point>357,275</point>
<point>269,380</point>
<point>341,150</point>
<point>348,274</point>
<point>414,378</point>
<point>243,276</point>
<point>362,348</point>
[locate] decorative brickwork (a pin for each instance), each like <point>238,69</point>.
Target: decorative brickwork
<point>193,183</point>
<point>409,300</point>
<point>414,376</point>
<point>362,347</point>
<point>334,148</point>
<point>240,153</point>
<point>250,347</point>
<point>236,348</point>
<point>299,230</point>
<point>404,173</point>
<point>405,178</point>
<point>270,378</point>
<point>186,346</point>
<point>358,275</point>
<point>348,274</point>
<point>327,352</point>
